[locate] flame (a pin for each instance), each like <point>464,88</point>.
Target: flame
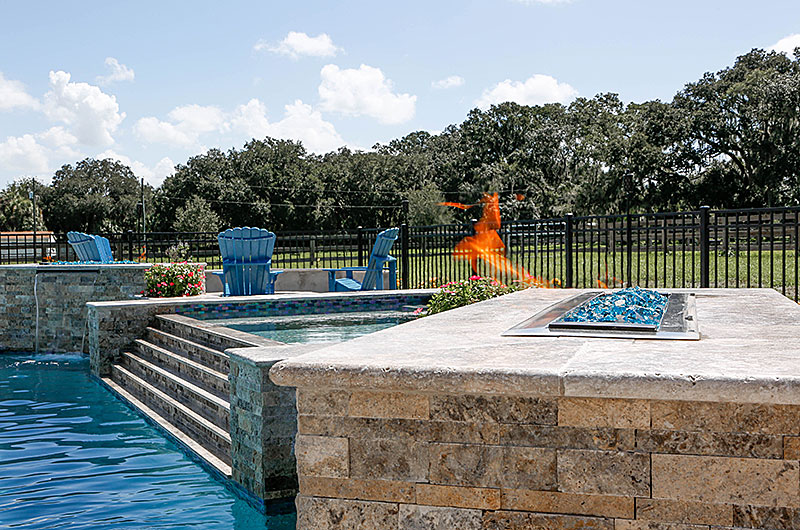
<point>487,246</point>
<point>603,284</point>
<point>457,205</point>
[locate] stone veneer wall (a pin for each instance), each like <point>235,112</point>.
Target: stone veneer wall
<point>62,291</point>
<point>402,460</point>
<point>263,426</point>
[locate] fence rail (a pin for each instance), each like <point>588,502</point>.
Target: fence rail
<point>703,248</point>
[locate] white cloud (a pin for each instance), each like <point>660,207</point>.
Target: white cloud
<point>364,92</point>
<point>300,122</point>
<point>297,44</point>
<point>13,95</point>
<point>448,82</point>
<point>153,175</point>
<point>23,154</point>
<point>536,90</point>
<point>36,153</point>
<point>116,72</point>
<point>91,114</point>
<point>186,125</point>
<point>787,45</point>
<point>198,118</point>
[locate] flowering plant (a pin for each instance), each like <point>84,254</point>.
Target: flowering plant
<point>174,279</point>
<point>465,292</point>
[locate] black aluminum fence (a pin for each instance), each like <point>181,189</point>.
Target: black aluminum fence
<point>704,248</point>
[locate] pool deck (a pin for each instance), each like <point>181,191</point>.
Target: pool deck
<point>462,351</point>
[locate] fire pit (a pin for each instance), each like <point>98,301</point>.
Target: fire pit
<point>631,313</point>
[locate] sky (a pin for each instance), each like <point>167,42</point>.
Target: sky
<point>154,83</point>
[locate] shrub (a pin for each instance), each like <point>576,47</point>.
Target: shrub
<point>465,292</point>
<point>179,252</point>
<point>174,279</point>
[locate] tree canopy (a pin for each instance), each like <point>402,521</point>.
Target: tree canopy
<point>729,139</point>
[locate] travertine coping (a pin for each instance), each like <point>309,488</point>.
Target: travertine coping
<point>56,267</point>
<point>749,352</point>
<point>270,354</point>
<point>211,298</point>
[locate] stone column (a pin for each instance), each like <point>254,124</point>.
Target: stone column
<point>263,423</point>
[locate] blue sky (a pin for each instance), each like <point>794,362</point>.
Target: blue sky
<point>153,83</point>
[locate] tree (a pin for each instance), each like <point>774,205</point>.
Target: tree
<point>16,207</point>
<point>196,216</point>
<point>744,127</point>
<point>424,206</point>
<point>93,196</point>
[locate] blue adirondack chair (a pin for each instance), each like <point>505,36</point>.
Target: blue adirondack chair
<point>89,247</point>
<point>373,272</point>
<point>247,261</point>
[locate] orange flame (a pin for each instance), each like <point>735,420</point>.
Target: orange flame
<point>603,284</point>
<point>487,245</point>
<point>456,205</point>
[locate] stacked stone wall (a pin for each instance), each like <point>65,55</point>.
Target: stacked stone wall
<point>62,293</point>
<point>263,427</point>
<point>403,460</point>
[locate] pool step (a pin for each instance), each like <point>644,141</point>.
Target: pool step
<point>212,407</point>
<point>187,328</point>
<point>204,355</point>
<point>195,372</point>
<point>187,440</point>
<point>172,411</point>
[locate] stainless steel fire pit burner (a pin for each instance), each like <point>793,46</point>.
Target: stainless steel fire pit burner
<point>678,323</point>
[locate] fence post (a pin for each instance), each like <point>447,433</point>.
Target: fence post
<point>130,245</point>
<point>705,236</point>
<point>568,281</point>
<point>629,249</point>
<point>360,241</point>
<point>404,255</point>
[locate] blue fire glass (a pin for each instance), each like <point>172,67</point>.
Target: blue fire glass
<point>633,305</point>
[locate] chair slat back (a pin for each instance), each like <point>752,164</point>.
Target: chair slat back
<point>383,243</point>
<point>103,248</point>
<point>246,258</point>
<point>88,247</point>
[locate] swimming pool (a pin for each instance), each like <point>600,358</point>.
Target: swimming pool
<point>72,456</point>
<point>318,328</point>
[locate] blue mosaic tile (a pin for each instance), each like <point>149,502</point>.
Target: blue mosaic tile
<point>283,307</point>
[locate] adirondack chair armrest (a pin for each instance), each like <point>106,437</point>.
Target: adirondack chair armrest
<point>348,273</point>
<point>392,261</point>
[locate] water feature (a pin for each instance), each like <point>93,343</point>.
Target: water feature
<point>72,456</point>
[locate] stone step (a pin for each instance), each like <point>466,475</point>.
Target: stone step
<point>196,427</point>
<point>191,329</point>
<point>125,379</point>
<point>204,355</point>
<point>202,402</point>
<point>192,371</point>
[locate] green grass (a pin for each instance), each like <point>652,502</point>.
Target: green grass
<point>648,269</point>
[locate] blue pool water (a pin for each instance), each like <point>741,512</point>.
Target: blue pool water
<point>72,456</point>
<point>320,328</point>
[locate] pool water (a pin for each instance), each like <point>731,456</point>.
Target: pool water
<point>73,456</point>
<point>315,329</point>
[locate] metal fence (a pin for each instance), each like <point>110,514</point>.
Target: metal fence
<point>703,248</point>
